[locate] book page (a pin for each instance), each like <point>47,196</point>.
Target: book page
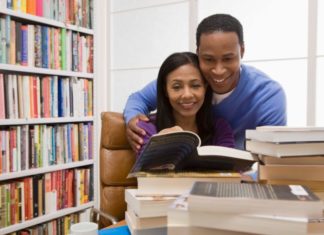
<point>212,150</point>
<point>289,128</point>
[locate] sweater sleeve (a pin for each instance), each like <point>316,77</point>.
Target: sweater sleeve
<point>150,130</point>
<point>273,111</point>
<point>223,134</point>
<point>141,102</point>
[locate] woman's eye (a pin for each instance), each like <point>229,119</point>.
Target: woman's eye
<point>196,85</point>
<point>176,88</point>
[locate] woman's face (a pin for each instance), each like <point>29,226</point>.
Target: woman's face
<point>186,90</point>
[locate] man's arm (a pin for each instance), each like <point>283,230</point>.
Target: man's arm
<point>138,106</point>
<point>274,111</point>
<point>141,102</point>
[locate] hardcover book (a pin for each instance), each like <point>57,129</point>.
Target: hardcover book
<point>144,223</point>
<point>176,183</point>
<point>292,160</point>
<point>178,151</point>
<point>148,206</point>
<point>178,214</point>
<point>180,221</point>
<point>281,134</point>
<point>285,149</point>
<point>255,198</point>
<point>291,172</point>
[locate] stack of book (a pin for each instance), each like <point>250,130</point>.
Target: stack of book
<point>147,206</point>
<point>289,155</point>
<point>247,208</point>
<point>146,214</point>
<point>167,168</point>
<point>179,221</point>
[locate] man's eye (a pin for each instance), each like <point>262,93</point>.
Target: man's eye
<point>227,59</point>
<point>208,59</point>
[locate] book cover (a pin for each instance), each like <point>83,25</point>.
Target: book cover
<point>314,185</point>
<point>24,45</point>
<point>292,172</point>
<point>257,224</point>
<point>161,230</point>
<point>285,149</point>
<point>11,56</point>
<point>255,198</point>
<point>144,223</point>
<point>2,98</point>
<point>292,160</point>
<point>18,43</point>
<point>171,183</point>
<point>148,206</point>
<point>282,134</point>
<point>178,151</point>
<point>180,221</point>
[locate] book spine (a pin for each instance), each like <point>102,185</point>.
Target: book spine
<point>24,46</point>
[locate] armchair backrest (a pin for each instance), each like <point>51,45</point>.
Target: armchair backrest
<point>116,160</point>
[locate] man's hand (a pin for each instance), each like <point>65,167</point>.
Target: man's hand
<point>134,133</point>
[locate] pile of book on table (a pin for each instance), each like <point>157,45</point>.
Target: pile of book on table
<point>167,168</point>
<point>246,208</point>
<point>289,155</point>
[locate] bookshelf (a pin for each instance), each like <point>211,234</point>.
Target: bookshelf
<point>65,140</point>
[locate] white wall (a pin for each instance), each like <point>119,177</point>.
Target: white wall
<point>320,65</point>
<point>144,32</point>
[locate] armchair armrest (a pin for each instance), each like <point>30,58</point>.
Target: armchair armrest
<point>95,214</point>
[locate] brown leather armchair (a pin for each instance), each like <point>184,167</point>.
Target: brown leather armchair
<point>116,160</point>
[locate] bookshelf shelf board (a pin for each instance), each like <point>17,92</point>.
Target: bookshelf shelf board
<point>31,121</point>
<point>35,70</point>
<point>42,170</point>
<point>45,218</point>
<point>42,20</point>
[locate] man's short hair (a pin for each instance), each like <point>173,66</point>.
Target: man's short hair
<point>219,23</point>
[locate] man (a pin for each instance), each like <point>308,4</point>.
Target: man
<point>243,95</point>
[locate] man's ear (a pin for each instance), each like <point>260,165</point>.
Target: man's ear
<point>242,50</point>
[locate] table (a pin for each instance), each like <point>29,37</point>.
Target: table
<point>117,229</point>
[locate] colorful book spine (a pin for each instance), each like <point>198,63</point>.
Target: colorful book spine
<point>24,45</point>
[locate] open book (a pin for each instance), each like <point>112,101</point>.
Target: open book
<point>181,151</point>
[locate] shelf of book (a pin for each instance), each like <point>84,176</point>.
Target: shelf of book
<point>44,71</point>
<point>45,218</point>
<point>31,121</point>
<point>42,170</point>
<point>42,20</point>
<point>69,60</point>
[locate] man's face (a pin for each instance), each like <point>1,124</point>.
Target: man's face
<point>220,56</point>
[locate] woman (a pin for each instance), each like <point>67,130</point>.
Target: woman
<point>184,102</point>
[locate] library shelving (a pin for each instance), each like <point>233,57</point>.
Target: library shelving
<point>46,113</point>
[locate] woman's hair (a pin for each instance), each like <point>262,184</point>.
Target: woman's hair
<point>164,115</point>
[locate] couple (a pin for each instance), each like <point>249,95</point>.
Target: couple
<point>199,92</point>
